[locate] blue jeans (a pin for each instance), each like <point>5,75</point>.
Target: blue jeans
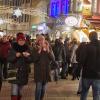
<point>16,89</point>
<point>80,83</point>
<point>40,90</point>
<point>86,83</point>
<point>64,70</point>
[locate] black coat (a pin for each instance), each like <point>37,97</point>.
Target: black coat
<point>59,52</point>
<point>90,60</point>
<point>21,63</point>
<point>42,65</point>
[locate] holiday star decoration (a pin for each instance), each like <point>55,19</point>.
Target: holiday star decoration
<point>17,12</point>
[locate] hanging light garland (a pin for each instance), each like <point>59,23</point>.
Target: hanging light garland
<point>21,10</point>
<point>1,21</point>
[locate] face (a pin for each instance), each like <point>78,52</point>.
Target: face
<point>41,41</point>
<point>21,42</point>
<point>5,39</point>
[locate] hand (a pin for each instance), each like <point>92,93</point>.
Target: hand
<point>18,54</point>
<point>39,49</point>
<point>26,54</point>
<point>46,48</point>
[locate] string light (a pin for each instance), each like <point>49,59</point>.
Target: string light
<point>17,12</point>
<point>1,21</point>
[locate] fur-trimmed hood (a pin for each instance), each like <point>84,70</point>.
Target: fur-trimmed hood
<point>19,48</point>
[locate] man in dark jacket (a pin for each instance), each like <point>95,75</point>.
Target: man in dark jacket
<point>60,56</point>
<point>90,60</point>
<point>78,72</point>
<point>4,48</point>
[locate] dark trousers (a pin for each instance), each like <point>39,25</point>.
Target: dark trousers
<point>4,69</point>
<point>74,68</point>
<point>0,77</point>
<point>64,71</point>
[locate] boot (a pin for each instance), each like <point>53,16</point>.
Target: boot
<point>14,97</point>
<point>19,97</point>
<point>42,99</point>
<point>0,85</point>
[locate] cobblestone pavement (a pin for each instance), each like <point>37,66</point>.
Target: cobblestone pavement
<point>63,90</point>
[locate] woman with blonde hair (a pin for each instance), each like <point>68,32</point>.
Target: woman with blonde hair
<point>42,56</point>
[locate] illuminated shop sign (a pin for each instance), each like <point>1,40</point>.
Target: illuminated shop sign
<point>58,7</point>
<point>55,6</point>
<point>65,6</point>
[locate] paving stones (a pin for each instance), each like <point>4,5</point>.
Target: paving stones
<point>63,90</point>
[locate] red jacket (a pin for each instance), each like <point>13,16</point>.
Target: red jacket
<point>4,48</point>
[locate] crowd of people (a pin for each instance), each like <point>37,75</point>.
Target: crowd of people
<point>62,56</point>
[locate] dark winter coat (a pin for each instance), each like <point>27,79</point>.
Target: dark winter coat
<point>79,50</point>
<point>42,65</point>
<point>90,60</point>
<point>21,63</point>
<point>59,52</point>
<point>67,51</point>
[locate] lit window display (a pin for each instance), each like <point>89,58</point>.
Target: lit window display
<point>87,11</point>
<point>65,6</point>
<point>80,35</point>
<point>79,5</point>
<point>55,6</point>
<point>59,7</point>
<point>94,6</point>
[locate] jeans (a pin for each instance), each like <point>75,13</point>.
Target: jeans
<point>64,70</point>
<point>80,83</point>
<point>74,68</point>
<point>16,90</point>
<point>86,83</point>
<point>40,90</point>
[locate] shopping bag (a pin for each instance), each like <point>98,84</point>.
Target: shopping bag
<point>12,72</point>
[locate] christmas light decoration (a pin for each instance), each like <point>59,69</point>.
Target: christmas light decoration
<point>17,12</point>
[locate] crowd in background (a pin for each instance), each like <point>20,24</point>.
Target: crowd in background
<point>62,56</point>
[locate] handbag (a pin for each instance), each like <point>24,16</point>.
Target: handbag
<point>12,72</point>
<point>53,65</point>
<point>54,74</point>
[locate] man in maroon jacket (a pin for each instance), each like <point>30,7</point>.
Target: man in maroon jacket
<point>4,48</point>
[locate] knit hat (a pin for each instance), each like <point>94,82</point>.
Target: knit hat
<point>21,36</point>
